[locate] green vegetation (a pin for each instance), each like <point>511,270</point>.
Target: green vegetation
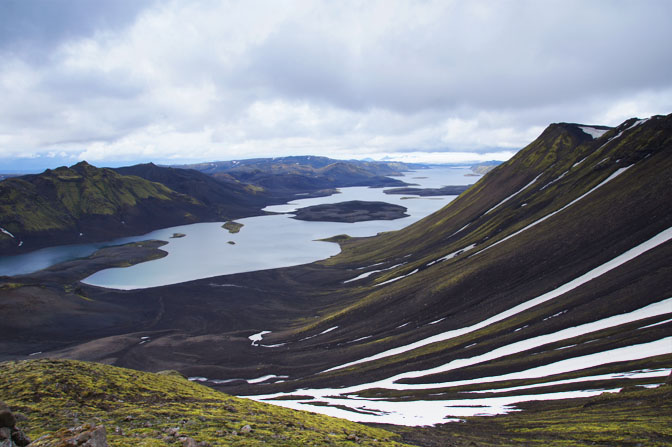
<point>56,199</point>
<point>146,409</point>
<point>83,203</point>
<point>232,227</point>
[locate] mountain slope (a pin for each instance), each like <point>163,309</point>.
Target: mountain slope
<point>284,177</point>
<point>573,232</point>
<point>144,409</point>
<point>84,203</point>
<point>226,200</point>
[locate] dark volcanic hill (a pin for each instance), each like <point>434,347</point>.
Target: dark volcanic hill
<point>83,203</point>
<point>227,199</point>
<point>352,211</point>
<point>550,278</point>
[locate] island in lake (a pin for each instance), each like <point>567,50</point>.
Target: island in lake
<point>352,211</point>
<point>232,226</point>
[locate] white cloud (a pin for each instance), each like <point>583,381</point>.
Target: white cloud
<point>216,80</point>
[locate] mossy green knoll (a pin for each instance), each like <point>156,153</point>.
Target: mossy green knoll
<point>143,409</point>
<point>83,203</point>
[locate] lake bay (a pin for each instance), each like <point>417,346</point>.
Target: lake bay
<point>264,242</point>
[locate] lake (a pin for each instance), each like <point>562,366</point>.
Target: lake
<point>264,242</point>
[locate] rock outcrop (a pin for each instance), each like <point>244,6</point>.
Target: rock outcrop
<point>83,436</point>
<point>10,434</point>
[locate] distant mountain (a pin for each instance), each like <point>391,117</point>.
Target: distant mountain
<point>226,198</point>
<point>83,203</point>
<point>287,176</point>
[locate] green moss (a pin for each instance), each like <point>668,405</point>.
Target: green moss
<point>232,227</point>
<point>139,408</point>
<point>56,200</point>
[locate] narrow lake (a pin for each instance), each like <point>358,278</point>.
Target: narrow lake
<point>264,242</point>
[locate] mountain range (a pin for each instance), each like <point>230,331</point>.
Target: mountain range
<point>83,203</point>
<point>549,279</point>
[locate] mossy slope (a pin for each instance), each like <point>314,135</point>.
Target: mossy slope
<point>140,409</point>
<point>83,203</point>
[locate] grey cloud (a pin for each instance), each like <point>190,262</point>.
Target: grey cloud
<point>536,53</point>
<point>387,75</point>
<point>32,28</point>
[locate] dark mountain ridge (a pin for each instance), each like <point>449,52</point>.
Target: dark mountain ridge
<point>287,176</point>
<point>226,199</point>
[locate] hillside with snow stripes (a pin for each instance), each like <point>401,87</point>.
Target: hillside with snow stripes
<point>548,279</point>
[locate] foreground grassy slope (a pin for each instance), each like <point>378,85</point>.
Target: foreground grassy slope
<point>142,409</point>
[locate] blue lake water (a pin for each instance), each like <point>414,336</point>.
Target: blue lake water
<point>264,242</point>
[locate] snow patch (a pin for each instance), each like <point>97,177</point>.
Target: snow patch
<point>516,193</point>
<point>628,353</point>
<point>604,182</point>
<point>367,274</point>
<point>452,255</point>
<point>398,278</point>
<point>660,238</point>
<point>553,181</point>
<point>415,413</point>
<point>643,374</point>
<point>361,338</point>
<point>593,132</point>
<point>459,230</point>
<point>369,266</point>
<point>656,324</point>
<point>659,308</point>
<point>256,338</point>
<point>265,378</point>
<point>579,162</point>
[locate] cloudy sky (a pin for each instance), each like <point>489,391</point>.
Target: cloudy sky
<point>122,81</point>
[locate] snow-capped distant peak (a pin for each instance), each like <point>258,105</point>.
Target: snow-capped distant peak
<point>593,132</point>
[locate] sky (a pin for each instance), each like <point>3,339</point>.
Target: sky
<point>118,82</point>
